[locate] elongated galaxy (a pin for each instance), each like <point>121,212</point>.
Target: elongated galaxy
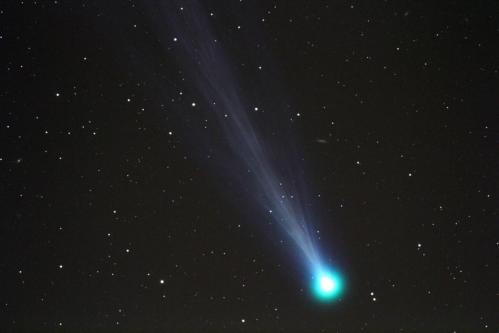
<point>206,63</point>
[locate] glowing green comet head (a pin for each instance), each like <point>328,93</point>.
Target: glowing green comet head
<point>327,286</point>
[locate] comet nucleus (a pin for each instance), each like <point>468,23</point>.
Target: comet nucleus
<point>327,285</point>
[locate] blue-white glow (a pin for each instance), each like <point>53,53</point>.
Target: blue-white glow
<point>327,285</point>
<point>219,92</point>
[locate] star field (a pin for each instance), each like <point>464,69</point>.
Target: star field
<point>122,210</point>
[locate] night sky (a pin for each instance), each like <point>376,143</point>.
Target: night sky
<point>131,203</point>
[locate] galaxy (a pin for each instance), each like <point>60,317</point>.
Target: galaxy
<point>249,166</point>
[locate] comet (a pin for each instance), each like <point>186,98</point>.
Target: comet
<point>191,38</point>
<point>327,285</point>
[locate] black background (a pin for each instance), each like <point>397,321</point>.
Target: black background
<point>398,127</point>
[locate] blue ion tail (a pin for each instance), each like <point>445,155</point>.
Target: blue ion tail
<point>327,285</point>
<point>215,80</point>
